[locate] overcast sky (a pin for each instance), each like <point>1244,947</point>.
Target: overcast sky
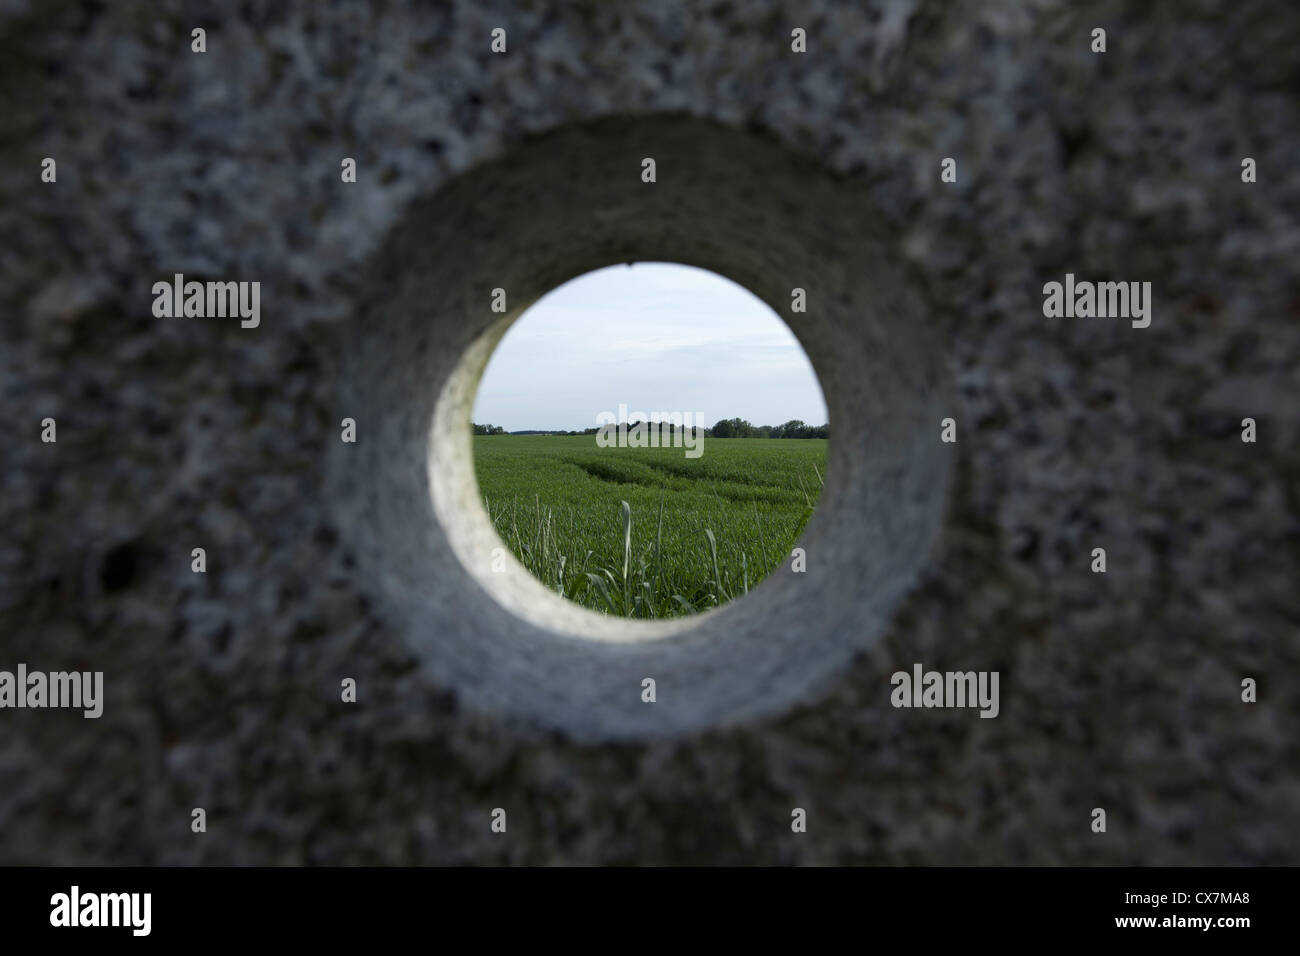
<point>656,336</point>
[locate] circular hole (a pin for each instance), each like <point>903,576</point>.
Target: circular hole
<point>556,207</point>
<point>642,441</point>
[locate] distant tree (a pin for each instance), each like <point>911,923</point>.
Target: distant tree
<point>488,429</point>
<point>739,428</point>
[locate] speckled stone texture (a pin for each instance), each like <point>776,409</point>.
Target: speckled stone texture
<point>1119,691</point>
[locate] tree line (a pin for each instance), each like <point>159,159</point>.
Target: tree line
<point>726,428</point>
<point>739,428</point>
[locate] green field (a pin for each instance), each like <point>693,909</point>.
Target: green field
<point>696,532</point>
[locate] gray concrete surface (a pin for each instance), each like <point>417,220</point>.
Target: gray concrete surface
<point>1119,691</point>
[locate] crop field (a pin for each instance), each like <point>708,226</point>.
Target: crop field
<point>648,532</point>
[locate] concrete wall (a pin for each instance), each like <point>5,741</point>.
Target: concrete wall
<point>818,170</point>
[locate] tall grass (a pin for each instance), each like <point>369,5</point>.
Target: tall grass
<point>675,553</point>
